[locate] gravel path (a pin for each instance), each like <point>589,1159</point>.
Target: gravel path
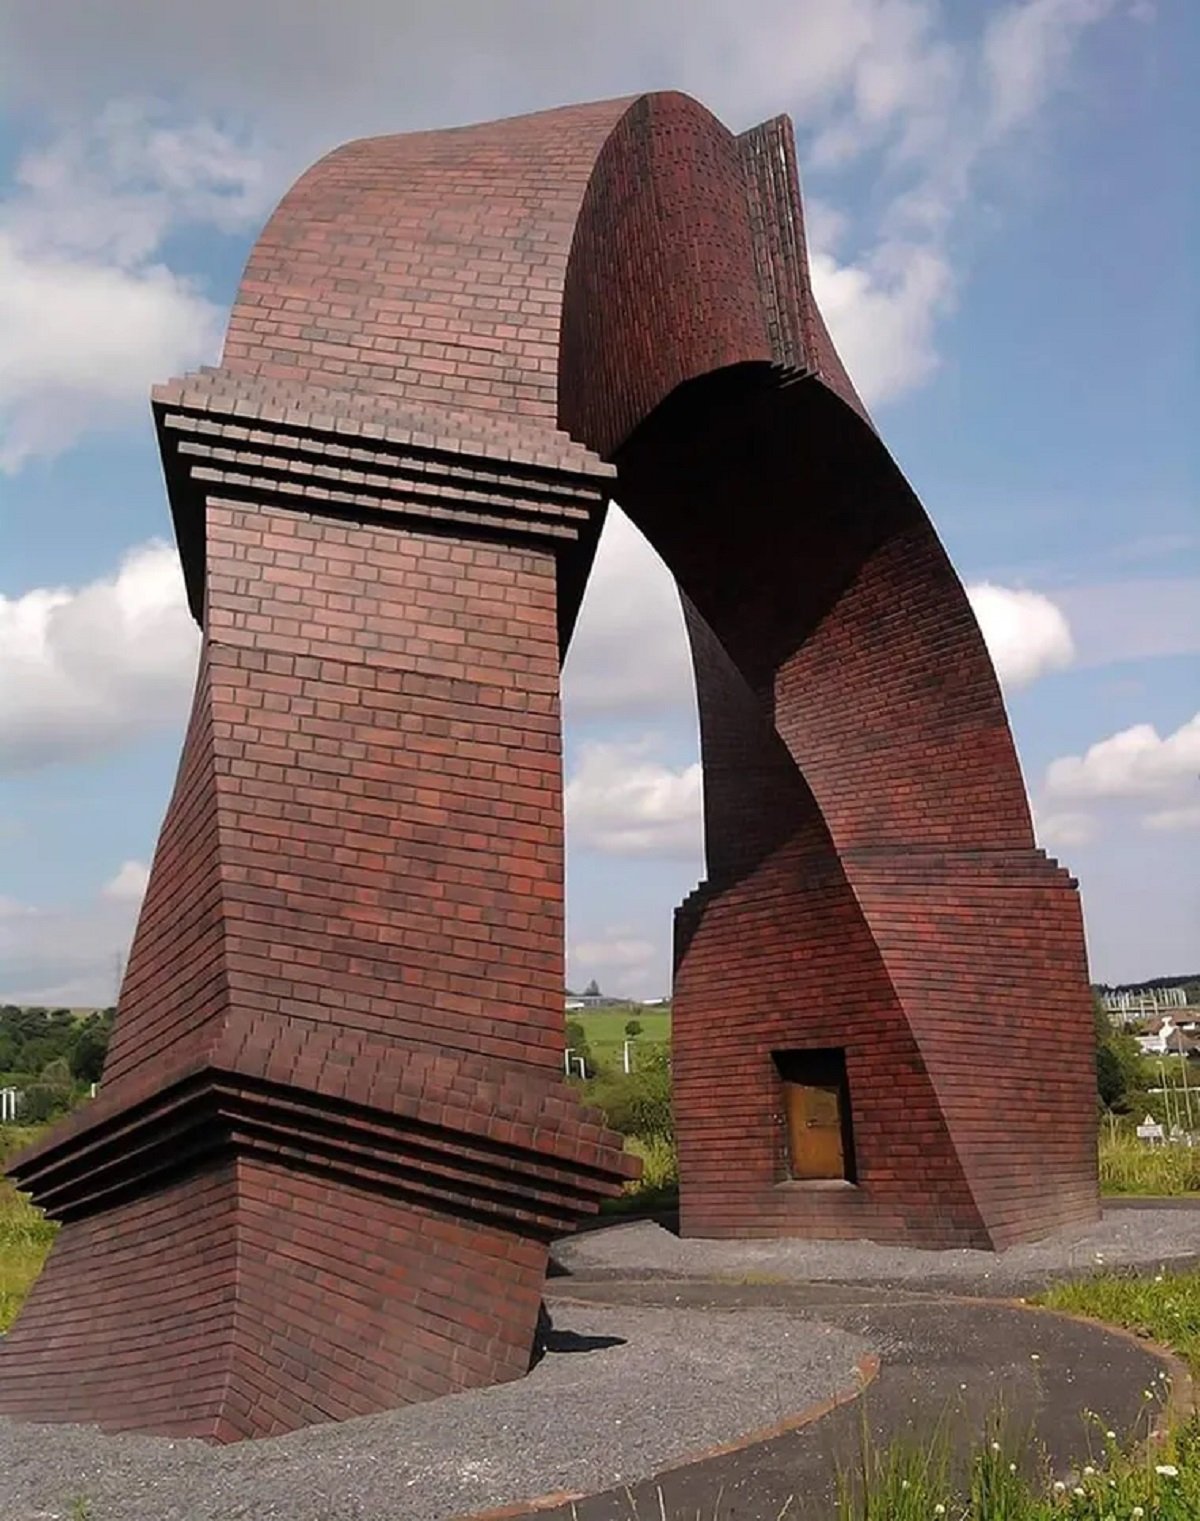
<point>1124,1237</point>
<point>586,1418</point>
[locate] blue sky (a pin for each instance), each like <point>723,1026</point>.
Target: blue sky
<point>1003,224</point>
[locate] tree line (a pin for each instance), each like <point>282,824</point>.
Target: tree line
<point>51,1057</point>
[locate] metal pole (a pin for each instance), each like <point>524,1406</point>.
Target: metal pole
<point>1162,1075</point>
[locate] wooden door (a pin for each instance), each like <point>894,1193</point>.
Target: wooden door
<point>814,1124</point>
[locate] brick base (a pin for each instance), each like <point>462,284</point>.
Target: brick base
<point>248,1299</point>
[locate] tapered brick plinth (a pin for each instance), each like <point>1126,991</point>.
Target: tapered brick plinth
<point>332,1139</point>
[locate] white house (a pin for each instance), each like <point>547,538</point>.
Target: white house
<point>1155,1042</point>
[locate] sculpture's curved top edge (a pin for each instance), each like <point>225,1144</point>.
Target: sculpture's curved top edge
<point>420,278</point>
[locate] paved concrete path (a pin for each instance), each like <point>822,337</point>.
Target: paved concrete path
<point>942,1359</point>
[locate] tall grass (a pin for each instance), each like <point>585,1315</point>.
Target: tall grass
<point>1130,1166</point>
<point>25,1233</point>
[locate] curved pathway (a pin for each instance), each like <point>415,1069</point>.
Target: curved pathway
<point>942,1359</point>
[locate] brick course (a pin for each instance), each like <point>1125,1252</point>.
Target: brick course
<point>333,1142</point>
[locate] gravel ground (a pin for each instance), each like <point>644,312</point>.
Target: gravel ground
<point>1122,1238</point>
<point>586,1418</point>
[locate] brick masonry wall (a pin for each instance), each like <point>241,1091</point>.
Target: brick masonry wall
<point>131,1320</point>
<point>386,749</point>
<point>834,642</point>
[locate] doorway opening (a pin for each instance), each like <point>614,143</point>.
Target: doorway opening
<point>815,1104</point>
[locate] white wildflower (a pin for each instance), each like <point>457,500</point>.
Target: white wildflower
<point>1167,1470</point>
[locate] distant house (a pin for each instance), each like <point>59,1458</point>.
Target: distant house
<point>1158,1033</point>
<point>1164,1038</point>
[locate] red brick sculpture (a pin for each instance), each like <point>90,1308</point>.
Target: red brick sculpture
<point>332,1141</point>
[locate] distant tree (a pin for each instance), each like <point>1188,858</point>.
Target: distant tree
<point>1120,1069</point>
<point>87,1054</point>
<point>633,1028</point>
<point>56,1073</point>
<point>592,990</point>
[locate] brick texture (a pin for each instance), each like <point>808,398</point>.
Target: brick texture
<point>333,1142</point>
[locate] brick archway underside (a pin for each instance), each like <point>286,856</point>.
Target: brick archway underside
<point>332,1142</point>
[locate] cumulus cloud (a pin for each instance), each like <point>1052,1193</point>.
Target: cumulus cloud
<point>1025,49</point>
<point>1140,618</point>
<point>1069,829</point>
<point>91,315</point>
<point>67,956</point>
<point>83,342</point>
<point>1171,819</point>
<point>629,654</point>
<point>85,669</point>
<point>1136,763</point>
<point>622,801</point>
<point>621,950</point>
<point>882,314</point>
<point>128,884</point>
<point>1026,634</point>
<point>622,961</point>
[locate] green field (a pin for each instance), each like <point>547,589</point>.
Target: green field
<point>605,1028</point>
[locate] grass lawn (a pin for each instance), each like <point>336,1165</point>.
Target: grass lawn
<point>605,1029</point>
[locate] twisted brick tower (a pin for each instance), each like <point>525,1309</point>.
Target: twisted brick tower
<point>332,1143</point>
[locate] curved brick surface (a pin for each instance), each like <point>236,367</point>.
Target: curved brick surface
<point>332,1141</point>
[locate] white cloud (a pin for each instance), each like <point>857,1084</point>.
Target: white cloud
<point>83,342</point>
<point>83,670</point>
<point>621,801</point>
<point>68,956</point>
<point>128,884</point>
<point>882,313</point>
<point>1058,829</point>
<point>622,961</point>
<point>90,315</point>
<point>1026,48</point>
<point>629,654</point>
<point>1136,763</point>
<point>1171,819</point>
<point>1026,634</point>
<point>1141,618</point>
<point>621,951</point>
